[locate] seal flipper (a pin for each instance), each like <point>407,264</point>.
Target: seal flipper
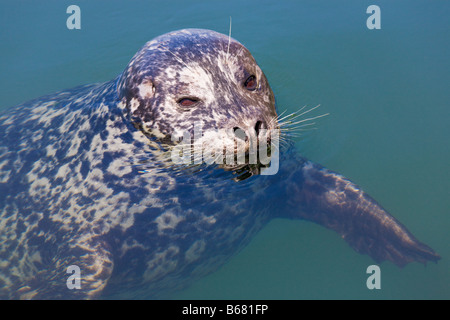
<point>327,198</point>
<point>95,266</point>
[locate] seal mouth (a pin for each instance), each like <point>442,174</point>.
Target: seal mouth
<point>244,157</point>
<point>245,171</point>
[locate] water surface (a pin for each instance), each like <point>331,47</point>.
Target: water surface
<point>386,91</point>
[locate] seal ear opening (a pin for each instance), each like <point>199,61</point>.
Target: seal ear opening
<point>130,87</point>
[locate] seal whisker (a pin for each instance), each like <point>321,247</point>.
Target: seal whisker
<point>280,118</point>
<point>275,119</point>
<point>292,125</point>
<point>282,139</point>
<point>179,59</point>
<point>288,126</point>
<point>300,131</point>
<point>298,113</point>
<point>308,119</point>
<point>295,134</point>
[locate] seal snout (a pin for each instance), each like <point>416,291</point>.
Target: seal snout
<point>256,131</point>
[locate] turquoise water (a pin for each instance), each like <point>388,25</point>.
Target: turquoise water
<point>386,91</point>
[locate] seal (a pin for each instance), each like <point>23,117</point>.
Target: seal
<point>86,184</point>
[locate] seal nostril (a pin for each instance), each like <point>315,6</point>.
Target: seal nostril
<point>238,132</point>
<point>258,126</point>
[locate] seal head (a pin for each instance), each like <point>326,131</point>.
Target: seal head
<point>194,75</point>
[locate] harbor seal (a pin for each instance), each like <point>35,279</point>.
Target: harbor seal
<point>86,184</point>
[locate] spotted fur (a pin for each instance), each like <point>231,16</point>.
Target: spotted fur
<point>84,181</point>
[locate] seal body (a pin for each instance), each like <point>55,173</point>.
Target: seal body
<point>84,180</point>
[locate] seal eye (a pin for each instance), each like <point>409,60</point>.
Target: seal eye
<point>251,83</point>
<point>187,102</point>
